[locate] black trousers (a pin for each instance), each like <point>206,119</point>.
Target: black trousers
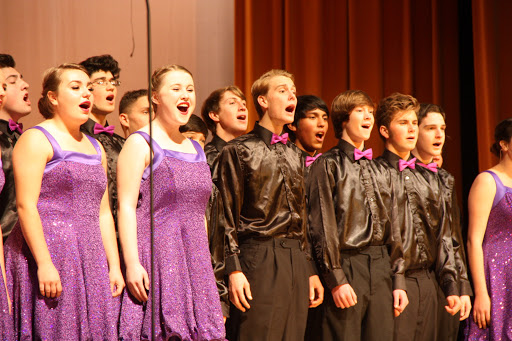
<point>419,319</point>
<point>448,325</point>
<point>278,273</point>
<point>368,272</point>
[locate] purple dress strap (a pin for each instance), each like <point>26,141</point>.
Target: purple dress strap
<point>500,188</point>
<point>64,155</point>
<point>158,154</point>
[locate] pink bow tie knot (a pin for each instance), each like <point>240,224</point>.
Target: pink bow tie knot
<point>368,153</point>
<point>98,129</point>
<point>13,126</point>
<point>276,138</point>
<point>431,166</point>
<point>402,164</point>
<point>311,159</point>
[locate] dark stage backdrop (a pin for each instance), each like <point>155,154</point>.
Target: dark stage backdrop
<point>431,49</point>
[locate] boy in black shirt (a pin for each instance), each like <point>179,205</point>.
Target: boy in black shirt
<point>260,178</point>
<point>353,232</point>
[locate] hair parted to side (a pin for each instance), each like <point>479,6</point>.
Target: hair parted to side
<point>393,104</point>
<point>104,62</point>
<point>260,86</point>
<point>343,104</point>
<point>212,104</point>
<point>6,60</point>
<point>129,98</point>
<point>195,124</point>
<point>158,76</point>
<point>427,108</point>
<point>502,132</point>
<point>51,81</point>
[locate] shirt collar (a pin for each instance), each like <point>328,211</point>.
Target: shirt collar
<point>347,149</point>
<point>393,159</point>
<point>263,133</point>
<point>218,143</point>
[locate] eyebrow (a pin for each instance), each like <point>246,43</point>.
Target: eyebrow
<point>13,76</point>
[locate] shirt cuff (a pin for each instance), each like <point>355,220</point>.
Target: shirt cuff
<point>232,264</point>
<point>335,278</point>
<point>450,288</point>
<point>399,282</point>
<point>465,288</point>
<point>225,309</point>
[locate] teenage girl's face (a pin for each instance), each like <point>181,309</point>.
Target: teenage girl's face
<point>3,87</point>
<point>280,100</point>
<point>402,133</point>
<point>232,114</point>
<point>176,98</point>
<point>431,135</point>
<point>359,126</point>
<point>73,99</point>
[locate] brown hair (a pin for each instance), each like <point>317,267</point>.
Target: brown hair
<point>212,104</point>
<point>343,104</point>
<point>393,104</point>
<point>158,75</point>
<point>260,86</point>
<point>51,81</point>
<point>427,108</point>
<point>502,132</point>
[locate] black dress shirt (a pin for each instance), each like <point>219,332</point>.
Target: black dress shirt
<point>453,211</point>
<point>112,145</point>
<point>212,151</point>
<point>216,226</point>
<point>350,208</point>
<point>262,189</point>
<point>8,212</point>
<point>426,234</point>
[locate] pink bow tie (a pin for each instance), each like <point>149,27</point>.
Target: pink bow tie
<point>368,153</point>
<point>98,129</point>
<point>13,126</point>
<point>402,164</point>
<point>311,159</point>
<point>276,138</point>
<point>431,166</point>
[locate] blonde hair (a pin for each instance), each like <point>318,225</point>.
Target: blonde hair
<point>260,86</point>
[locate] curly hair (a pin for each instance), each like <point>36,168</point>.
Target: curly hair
<point>104,62</point>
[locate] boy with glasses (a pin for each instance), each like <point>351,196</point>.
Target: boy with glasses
<point>104,73</point>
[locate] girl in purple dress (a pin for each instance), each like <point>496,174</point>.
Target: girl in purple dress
<point>186,303</point>
<point>490,243</point>
<point>62,262</point>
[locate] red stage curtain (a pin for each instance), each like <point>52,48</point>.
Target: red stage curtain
<point>379,46</point>
<point>492,44</point>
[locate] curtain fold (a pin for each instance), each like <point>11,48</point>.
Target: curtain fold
<point>378,46</point>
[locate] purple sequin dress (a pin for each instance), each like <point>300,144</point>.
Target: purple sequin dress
<point>497,249</point>
<point>69,205</point>
<point>6,332</point>
<point>186,299</point>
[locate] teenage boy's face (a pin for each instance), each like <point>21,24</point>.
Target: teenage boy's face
<point>232,113</point>
<point>104,95</point>
<point>193,135</point>
<point>402,132</point>
<point>359,126</point>
<point>137,115</point>
<point>431,135</point>
<point>310,131</point>
<point>280,100</point>
<point>16,102</point>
